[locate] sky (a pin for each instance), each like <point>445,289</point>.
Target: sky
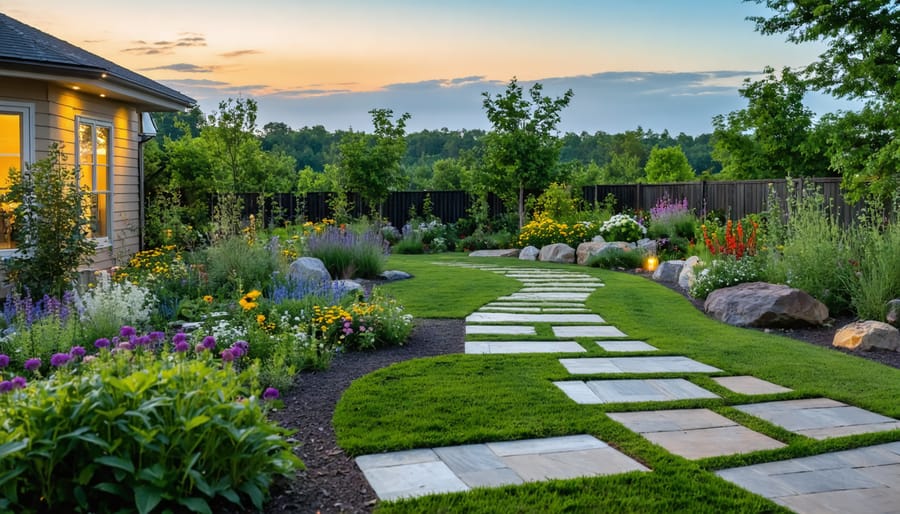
<point>659,64</point>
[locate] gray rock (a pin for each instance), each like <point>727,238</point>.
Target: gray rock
<point>893,312</point>
<point>668,271</point>
<point>759,304</point>
<point>598,239</point>
<point>274,245</point>
<point>529,253</point>
<point>867,335</point>
<point>557,252</point>
<point>687,276</point>
<point>508,252</point>
<point>648,246</point>
<point>587,250</point>
<point>391,275</point>
<point>346,286</point>
<point>308,269</point>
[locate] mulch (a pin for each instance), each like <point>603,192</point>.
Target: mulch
<point>331,482</point>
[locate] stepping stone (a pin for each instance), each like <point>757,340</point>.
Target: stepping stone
<point>488,308</point>
<point>626,346</point>
<point>820,418</point>
<point>562,310</point>
<point>588,331</point>
<point>557,289</point>
<point>542,305</point>
<point>539,297</point>
<point>414,473</point>
<point>482,347</point>
<point>630,391</point>
<point>860,480</point>
<point>673,364</point>
<point>695,433</point>
<point>512,330</point>
<point>750,385</point>
<point>503,317</point>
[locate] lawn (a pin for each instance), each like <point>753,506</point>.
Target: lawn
<point>460,399</point>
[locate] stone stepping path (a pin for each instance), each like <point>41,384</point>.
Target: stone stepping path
<point>587,331</point>
<point>512,330</point>
<point>599,365</point>
<point>459,468</point>
<point>626,346</point>
<point>860,480</point>
<point>511,317</point>
<point>475,347</point>
<point>632,391</point>
<point>750,385</point>
<point>695,433</point>
<point>820,418</point>
<point>546,297</point>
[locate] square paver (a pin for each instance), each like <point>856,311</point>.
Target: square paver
<point>750,385</point>
<point>630,391</point>
<point>411,480</point>
<point>548,297</point>
<point>573,464</point>
<point>504,317</point>
<point>568,443</point>
<point>587,331</point>
<point>669,364</point>
<point>626,346</point>
<point>820,418</point>
<point>489,308</point>
<point>579,392</point>
<point>497,347</point>
<point>512,330</point>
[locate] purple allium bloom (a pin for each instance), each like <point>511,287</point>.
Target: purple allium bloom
<point>101,343</point>
<point>32,364</point>
<point>4,360</point>
<point>157,336</point>
<point>227,355</point>
<point>127,331</point>
<point>142,341</point>
<point>180,337</point>
<point>209,342</point>
<point>270,394</point>
<point>60,359</point>
<point>6,386</point>
<point>236,351</point>
<point>125,345</point>
<point>19,382</point>
<point>77,351</point>
<point>243,345</point>
<point>181,346</point>
<point>199,348</point>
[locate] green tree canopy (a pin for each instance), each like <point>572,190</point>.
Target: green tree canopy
<point>668,165</point>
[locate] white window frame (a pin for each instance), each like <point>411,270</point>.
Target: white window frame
<point>26,110</point>
<point>105,240</point>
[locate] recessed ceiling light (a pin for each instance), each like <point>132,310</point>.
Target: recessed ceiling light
<point>76,88</point>
<point>102,95</point>
<point>103,75</point>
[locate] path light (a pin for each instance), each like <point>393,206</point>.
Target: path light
<point>651,263</point>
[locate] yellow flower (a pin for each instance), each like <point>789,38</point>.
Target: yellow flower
<point>260,319</point>
<point>208,299</point>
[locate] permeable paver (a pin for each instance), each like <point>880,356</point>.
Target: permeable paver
<point>523,347</point>
<point>490,308</point>
<point>415,473</point>
<point>511,330</point>
<point>511,317</point>
<point>669,364</point>
<point>630,391</point>
<point>550,297</point>
<point>820,418</point>
<point>750,385</point>
<point>695,433</point>
<point>860,480</point>
<point>626,346</point>
<point>587,331</point>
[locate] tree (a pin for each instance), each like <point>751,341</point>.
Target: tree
<point>372,162</point>
<point>668,165</point>
<point>522,150</point>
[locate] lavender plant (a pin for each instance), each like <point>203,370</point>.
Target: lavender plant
<point>347,254</point>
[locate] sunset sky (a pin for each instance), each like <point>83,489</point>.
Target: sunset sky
<point>661,64</point>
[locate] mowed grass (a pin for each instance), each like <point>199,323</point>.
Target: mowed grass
<point>461,399</point>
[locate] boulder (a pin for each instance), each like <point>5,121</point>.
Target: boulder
<point>893,312</point>
<point>668,271</point>
<point>648,246</point>
<point>557,252</point>
<point>509,252</point>
<point>346,286</point>
<point>308,269</point>
<point>598,239</point>
<point>529,253</point>
<point>759,304</point>
<point>392,275</point>
<point>587,250</point>
<point>866,335</point>
<point>687,276</point>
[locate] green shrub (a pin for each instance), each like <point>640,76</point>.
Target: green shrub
<point>409,246</point>
<point>543,230</point>
<point>617,258</point>
<point>875,246</point>
<point>39,328</point>
<point>234,265</point>
<point>622,227</point>
<point>347,254</point>
<point>727,271</point>
<point>135,432</point>
<point>108,305</point>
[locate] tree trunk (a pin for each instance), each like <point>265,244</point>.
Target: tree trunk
<point>521,205</point>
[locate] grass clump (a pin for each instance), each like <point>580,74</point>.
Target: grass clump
<point>615,257</point>
<point>348,254</point>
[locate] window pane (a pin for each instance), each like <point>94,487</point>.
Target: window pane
<point>99,215</point>
<point>102,145</point>
<point>102,178</point>
<point>10,146</point>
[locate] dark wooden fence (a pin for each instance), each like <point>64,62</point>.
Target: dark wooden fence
<point>735,199</point>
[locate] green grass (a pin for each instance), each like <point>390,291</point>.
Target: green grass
<point>460,399</point>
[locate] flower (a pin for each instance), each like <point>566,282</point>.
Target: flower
<point>236,351</point>
<point>19,382</point>
<point>4,360</point>
<point>101,343</point>
<point>125,345</point>
<point>208,299</point>
<point>142,341</point>
<point>157,336</point>
<point>270,394</point>
<point>127,331</point>
<point>181,346</point>
<point>180,337</point>
<point>60,359</point>
<point>32,364</point>
<point>6,386</point>
<point>209,342</point>
<point>77,351</point>
<point>227,355</point>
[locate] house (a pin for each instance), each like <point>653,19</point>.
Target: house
<point>55,92</point>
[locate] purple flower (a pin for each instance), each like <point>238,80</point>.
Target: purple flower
<point>60,359</point>
<point>243,345</point>
<point>125,345</point>
<point>4,360</point>
<point>6,386</point>
<point>182,346</point>
<point>101,343</point>
<point>236,351</point>
<point>209,342</point>
<point>199,348</point>
<point>142,341</point>
<point>77,351</point>
<point>270,394</point>
<point>127,331</point>
<point>19,382</point>
<point>32,364</point>
<point>227,355</point>
<point>157,336</point>
<point>180,337</point>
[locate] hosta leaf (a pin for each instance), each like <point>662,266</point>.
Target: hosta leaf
<point>256,496</point>
<point>196,505</point>
<point>146,498</point>
<point>116,462</point>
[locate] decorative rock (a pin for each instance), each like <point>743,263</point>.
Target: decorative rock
<point>759,304</point>
<point>557,252</point>
<point>274,245</point>
<point>392,275</point>
<point>598,239</point>
<point>647,245</point>
<point>587,250</point>
<point>866,335</point>
<point>668,271</point>
<point>346,286</point>
<point>529,253</point>
<point>687,276</point>
<point>509,252</point>
<point>893,312</point>
<point>309,269</point>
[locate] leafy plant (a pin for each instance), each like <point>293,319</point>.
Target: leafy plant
<point>726,271</point>
<point>347,254</point>
<point>108,305</point>
<point>233,265</point>
<point>617,258</point>
<point>543,230</point>
<point>622,227</point>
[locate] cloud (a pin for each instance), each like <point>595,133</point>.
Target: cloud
<point>183,67</point>
<point>239,53</point>
<point>166,47</point>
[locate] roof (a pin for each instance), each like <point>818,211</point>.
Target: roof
<point>25,48</point>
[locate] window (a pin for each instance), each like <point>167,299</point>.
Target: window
<point>94,158</point>
<point>15,152</point>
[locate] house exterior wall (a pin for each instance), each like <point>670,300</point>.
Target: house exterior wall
<point>55,111</point>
